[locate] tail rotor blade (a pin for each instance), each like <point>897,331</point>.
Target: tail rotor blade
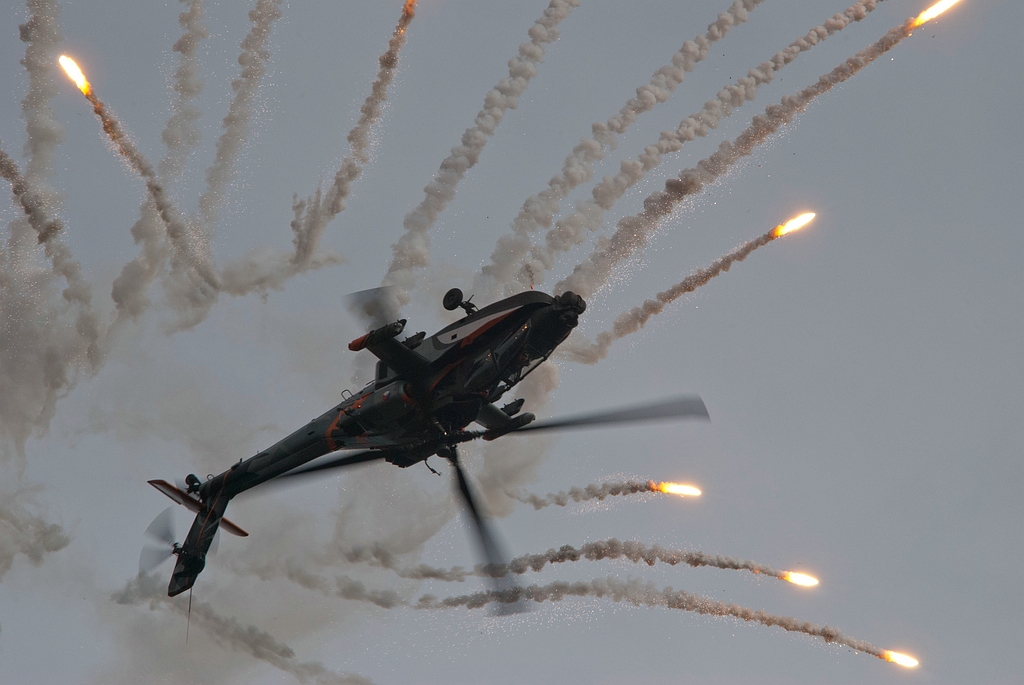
<point>151,557</point>
<point>162,539</point>
<point>162,528</point>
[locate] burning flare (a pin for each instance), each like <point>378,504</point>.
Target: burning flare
<point>792,225</point>
<point>926,16</point>
<point>799,578</point>
<point>675,489</point>
<point>889,655</point>
<point>75,74</point>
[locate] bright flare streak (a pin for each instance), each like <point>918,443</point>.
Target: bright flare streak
<point>793,224</point>
<point>75,74</point>
<point>799,578</point>
<point>934,11</point>
<point>677,489</point>
<point>896,657</point>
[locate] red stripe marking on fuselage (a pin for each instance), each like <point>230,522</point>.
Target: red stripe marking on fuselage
<point>484,328</point>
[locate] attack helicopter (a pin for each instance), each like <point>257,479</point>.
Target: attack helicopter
<point>424,395</point>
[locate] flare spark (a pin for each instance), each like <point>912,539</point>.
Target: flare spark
<point>75,74</point>
<point>923,18</point>
<point>902,659</point>
<point>799,578</point>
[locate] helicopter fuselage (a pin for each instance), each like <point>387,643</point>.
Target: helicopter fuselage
<point>449,380</point>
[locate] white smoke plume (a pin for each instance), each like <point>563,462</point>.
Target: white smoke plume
<point>190,258</point>
<point>42,34</point>
<point>412,251</point>
<point>78,293</point>
<point>634,319</point>
<point>587,493</point>
<point>181,133</point>
<point>315,213</point>
<point>49,336</point>
<point>632,232</point>
<point>26,534</point>
<point>265,269</point>
<point>190,298</point>
<point>591,551</point>
<point>507,260</point>
<point>129,289</point>
<point>635,552</point>
<point>589,214</point>
<point>638,593</point>
<point>510,464</point>
<point>252,59</point>
<point>229,633</point>
<point>342,587</point>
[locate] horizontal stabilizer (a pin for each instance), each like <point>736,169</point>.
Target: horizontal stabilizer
<point>192,504</point>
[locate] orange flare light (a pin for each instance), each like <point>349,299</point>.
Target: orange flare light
<point>792,225</point>
<point>901,659</point>
<point>932,12</point>
<point>676,489</point>
<point>799,578</point>
<point>75,74</point>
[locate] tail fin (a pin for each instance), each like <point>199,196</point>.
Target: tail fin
<point>192,555</point>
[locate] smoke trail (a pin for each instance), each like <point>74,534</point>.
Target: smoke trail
<point>42,350</point>
<point>632,232</point>
<point>236,123</point>
<point>589,214</point>
<point>229,633</point>
<point>309,228</point>
<point>182,133</point>
<point>32,205</point>
<point>27,534</point>
<point>635,552</point>
<point>262,269</point>
<point>192,299</point>
<point>190,254</point>
<point>633,320</point>
<point>413,248</point>
<point>539,210</point>
<point>646,594</point>
<point>42,33</point>
<point>591,551</point>
<point>78,292</point>
<point>129,289</point>
<point>298,572</point>
<point>510,464</point>
<point>589,492</point>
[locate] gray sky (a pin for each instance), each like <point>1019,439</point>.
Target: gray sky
<point>864,377</point>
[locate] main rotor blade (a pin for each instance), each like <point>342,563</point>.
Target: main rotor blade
<point>375,307</point>
<point>496,560</point>
<point>343,459</point>
<point>162,528</point>
<point>687,406</point>
<point>488,546</point>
